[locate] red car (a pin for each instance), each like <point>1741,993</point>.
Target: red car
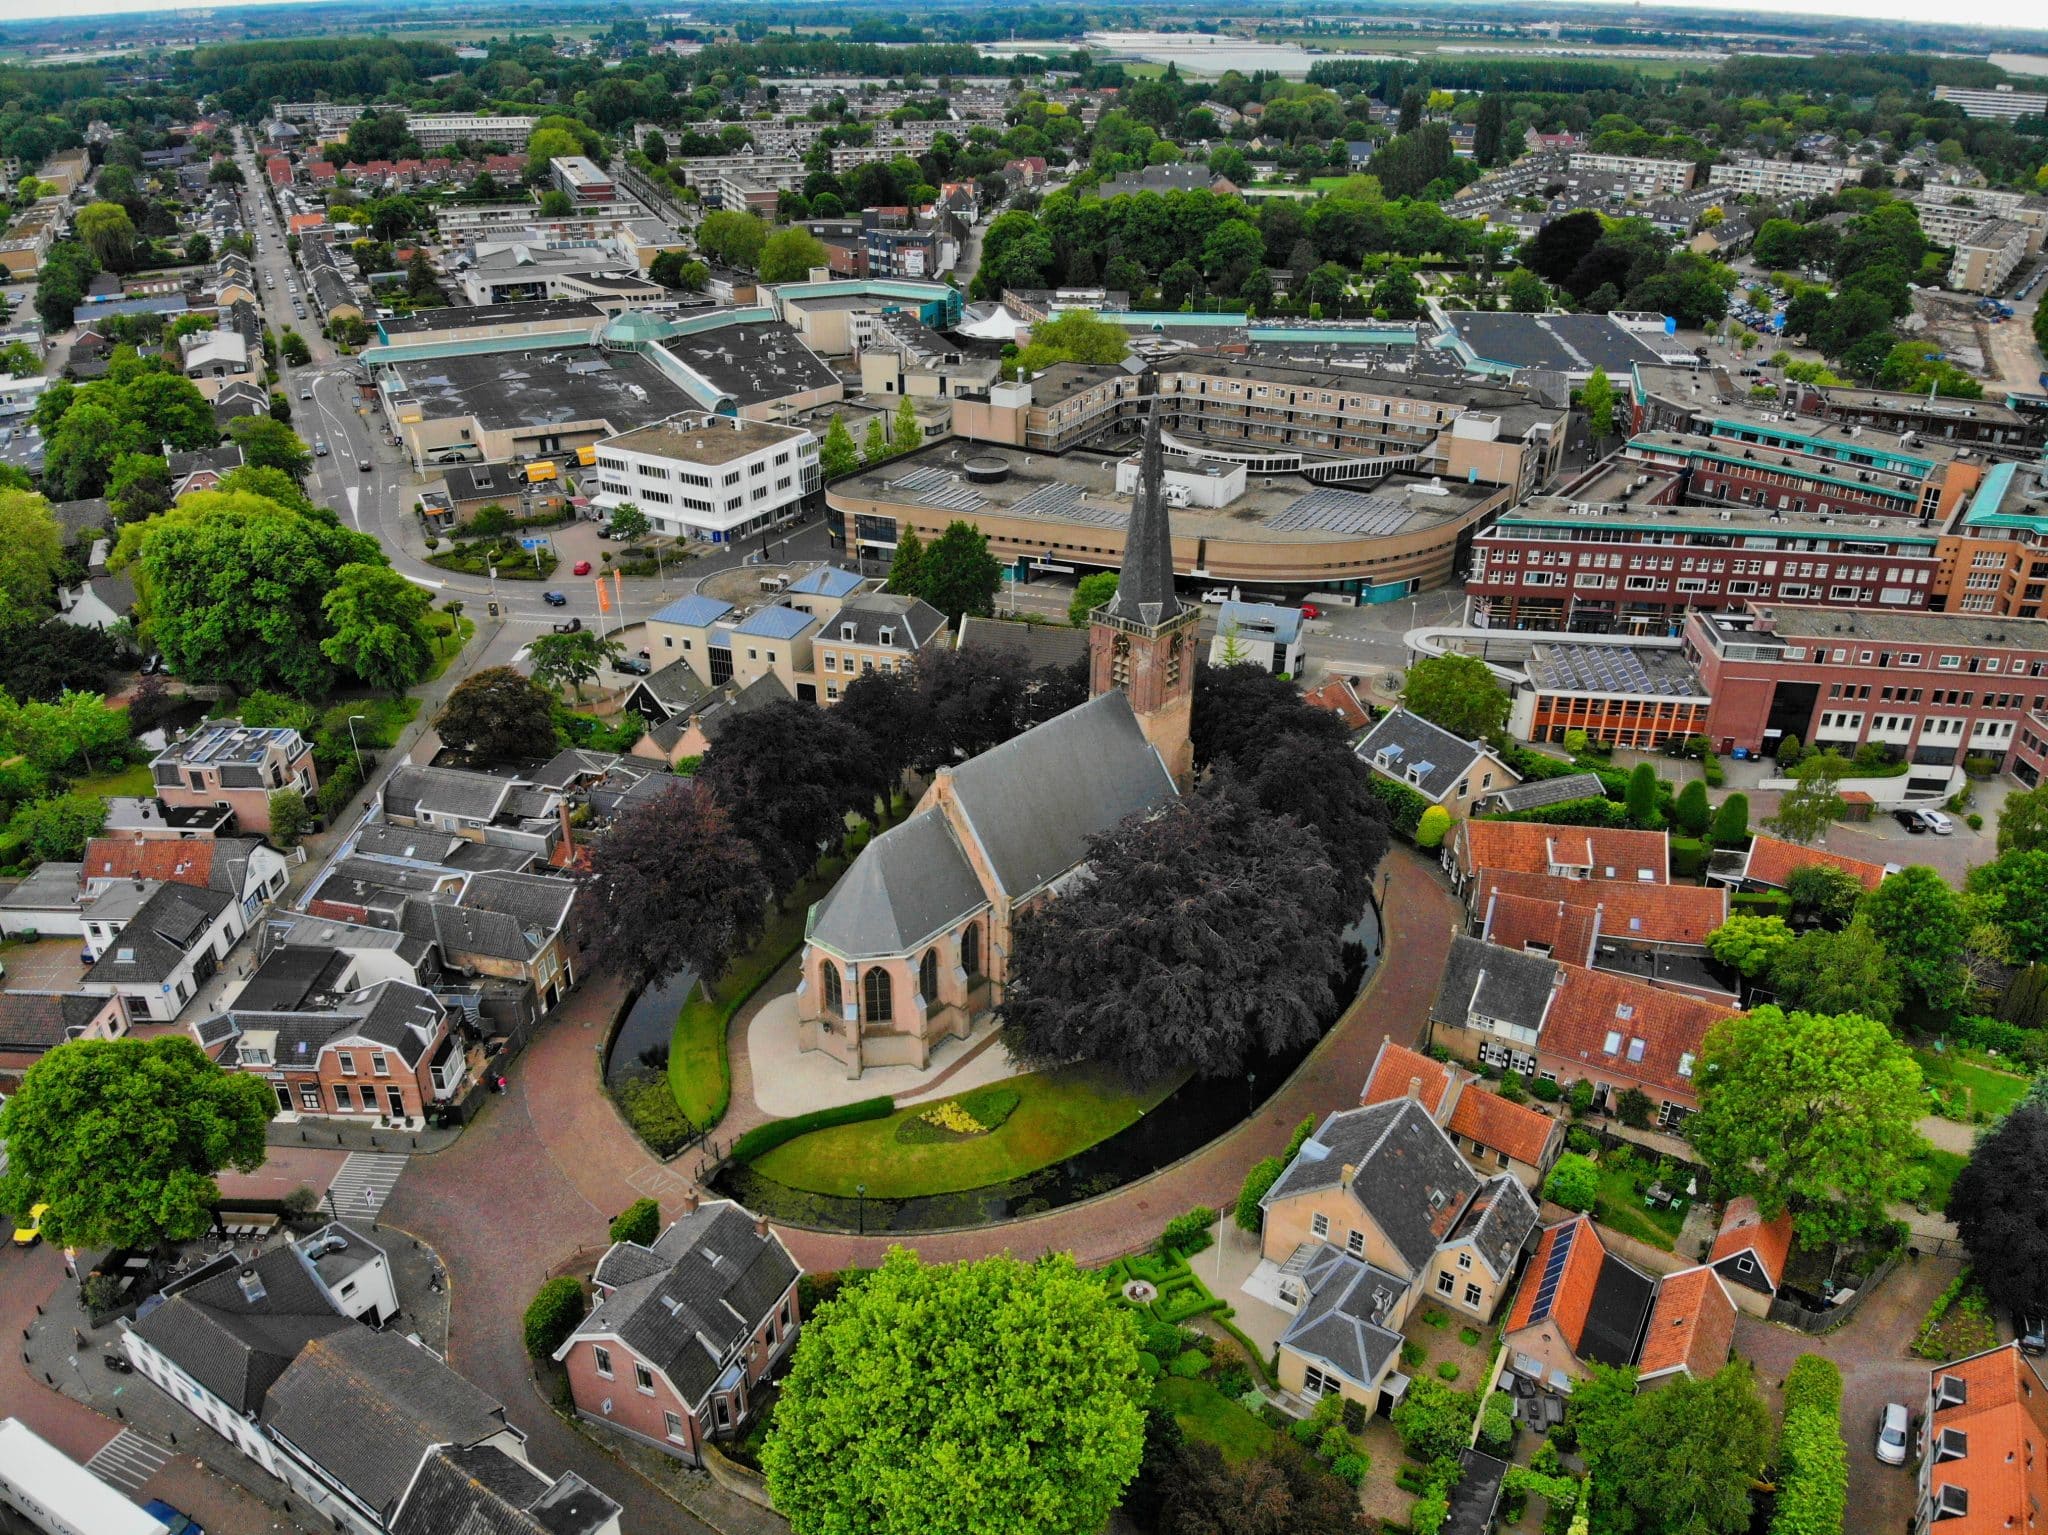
<point>1308,609</point>
<point>583,567</point>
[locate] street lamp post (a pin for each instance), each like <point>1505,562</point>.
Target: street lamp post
<point>1251,1091</point>
<point>355,745</point>
<point>861,1190</point>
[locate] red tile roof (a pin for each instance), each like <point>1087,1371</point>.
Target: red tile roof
<point>1395,1067</point>
<point>1522,1132</point>
<point>1772,860</point>
<point>1744,1230</point>
<point>1561,930</point>
<point>1341,699</point>
<point>1532,847</point>
<point>1628,908</point>
<point>187,861</point>
<point>1652,1031</point>
<point>1571,1300</point>
<point>2002,1466</point>
<point>1692,1326</point>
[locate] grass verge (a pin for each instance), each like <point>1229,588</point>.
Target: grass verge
<point>1205,1413</point>
<point>1058,1114</point>
<point>1972,1093</point>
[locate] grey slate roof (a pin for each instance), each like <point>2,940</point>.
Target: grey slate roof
<point>1484,978</point>
<point>1428,758</point>
<point>1033,802</point>
<point>164,929</point>
<point>484,1491</point>
<point>906,885</point>
<point>674,689</point>
<point>396,1015</point>
<point>722,1279</point>
<point>366,1406</point>
<point>911,621</point>
<point>42,1020</point>
<point>1040,645</point>
<point>1342,1324</point>
<point>1406,1174</point>
<point>233,1346</point>
<point>1498,1223</point>
<point>1144,593</point>
<point>1538,792</point>
<point>446,791</point>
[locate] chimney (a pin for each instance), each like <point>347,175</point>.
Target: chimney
<point>251,1285</point>
<point>1344,1181</point>
<point>760,1225</point>
<point>690,1203</point>
<point>568,831</point>
<point>1414,1095</point>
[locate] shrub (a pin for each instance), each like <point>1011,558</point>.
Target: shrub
<point>552,1315</point>
<point>1448,1370</point>
<point>1430,830</point>
<point>1582,1140</point>
<point>1688,857</point>
<point>1428,1513</point>
<point>1413,1355</point>
<point>1581,1099</point>
<point>1761,903</point>
<point>651,1109</point>
<point>1261,1177</point>
<point>1574,1182</point>
<point>1188,1233</point>
<point>1433,1420</point>
<point>1813,1464</point>
<point>1976,821</point>
<point>1354,1416</point>
<point>1570,812</point>
<point>639,1222</point>
<point>1513,1088</point>
<point>1546,1089</point>
<point>1634,1108</point>
<point>1813,1381</point>
<point>1731,821</point>
<point>1352,1468</point>
<point>762,1139</point>
<point>1406,807</point>
<point>1711,769</point>
<point>1190,1365</point>
<point>1496,1423</point>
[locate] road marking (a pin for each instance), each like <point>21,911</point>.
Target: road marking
<point>364,1182</point>
<point>354,515</point>
<point>128,1460</point>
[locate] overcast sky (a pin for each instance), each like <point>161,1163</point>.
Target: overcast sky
<point>2014,13</point>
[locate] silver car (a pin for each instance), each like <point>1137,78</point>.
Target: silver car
<point>1894,1433</point>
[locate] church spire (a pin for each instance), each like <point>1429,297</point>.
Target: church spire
<point>1144,593</point>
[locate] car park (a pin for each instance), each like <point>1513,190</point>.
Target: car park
<point>1894,1434</point>
<point>554,599</point>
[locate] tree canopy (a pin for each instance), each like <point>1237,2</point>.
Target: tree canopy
<point>377,622</point>
<point>1812,1113</point>
<point>1843,972</point>
<point>31,555</point>
<point>1459,693</point>
<point>1011,1393</point>
<point>497,715</point>
<point>1922,925</point>
<point>1679,1461</point>
<point>1206,935</point>
<point>791,773</point>
<point>1995,1202</point>
<point>122,1138</point>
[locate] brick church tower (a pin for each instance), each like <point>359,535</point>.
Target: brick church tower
<point>1143,639</point>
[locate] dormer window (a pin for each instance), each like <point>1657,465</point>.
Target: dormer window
<point>848,631</point>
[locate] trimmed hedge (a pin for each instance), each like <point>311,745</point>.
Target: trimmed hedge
<point>1688,857</point>
<point>762,1139</point>
<point>1813,1460</point>
<point>1496,1423</point>
<point>1761,903</point>
<point>1569,812</point>
<point>1981,1033</point>
<point>552,1315</point>
<point>639,1222</point>
<point>1405,805</point>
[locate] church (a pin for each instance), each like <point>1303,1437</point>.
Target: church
<point>913,944</point>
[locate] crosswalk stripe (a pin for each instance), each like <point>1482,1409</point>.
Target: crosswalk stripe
<point>128,1460</point>
<point>363,1183</point>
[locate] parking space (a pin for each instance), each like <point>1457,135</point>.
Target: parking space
<point>48,964</point>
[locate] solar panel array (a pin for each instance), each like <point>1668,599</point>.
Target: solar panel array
<point>1553,1273</point>
<point>937,487</point>
<point>1056,498</point>
<point>1601,669</point>
<point>1344,511</point>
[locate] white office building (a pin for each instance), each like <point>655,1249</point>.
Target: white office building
<point>708,477</point>
<point>2000,101</point>
<point>1645,177</point>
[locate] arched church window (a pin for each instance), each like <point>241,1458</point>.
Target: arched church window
<point>928,976</point>
<point>877,997</point>
<point>970,949</point>
<point>835,1000</point>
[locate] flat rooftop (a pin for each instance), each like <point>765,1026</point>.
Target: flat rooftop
<point>1079,489</point>
<point>1795,621</point>
<point>479,316</point>
<point>1902,482</point>
<point>1939,408</point>
<point>754,363</point>
<point>1607,502</point>
<point>1561,343</point>
<point>705,439</point>
<point>504,390</point>
<point>1614,669</point>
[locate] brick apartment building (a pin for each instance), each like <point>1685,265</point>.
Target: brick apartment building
<point>1936,687</point>
<point>227,764</point>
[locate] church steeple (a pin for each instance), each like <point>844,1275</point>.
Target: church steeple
<point>1143,639</point>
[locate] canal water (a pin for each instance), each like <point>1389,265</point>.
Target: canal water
<point>642,1039</point>
<point>1185,1121</point>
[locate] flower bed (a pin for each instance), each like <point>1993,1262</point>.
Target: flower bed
<point>962,1118</point>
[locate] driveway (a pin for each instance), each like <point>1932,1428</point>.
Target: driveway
<point>1876,1369</point>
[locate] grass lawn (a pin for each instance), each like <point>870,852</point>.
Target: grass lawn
<point>1205,1413</point>
<point>1941,1168</point>
<point>448,646</point>
<point>1986,1091</point>
<point>132,782</point>
<point>699,1073</point>
<point>1062,1112</point>
<point>1621,1206</point>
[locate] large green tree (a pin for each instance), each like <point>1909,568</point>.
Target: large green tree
<point>957,575</point>
<point>109,234</point>
<point>1749,944</point>
<point>2011,893</point>
<point>1458,692</point>
<point>1923,926</point>
<point>31,555</point>
<point>378,627</point>
<point>788,255</point>
<point>1814,802</point>
<point>572,659</point>
<point>1680,1461</point>
<point>837,455</point>
<point>1812,1113</point>
<point>270,444</point>
<point>1840,972</point>
<point>122,1138</point>
<point>496,715</point>
<point>232,588</point>
<point>980,1398</point>
<point>2023,820</point>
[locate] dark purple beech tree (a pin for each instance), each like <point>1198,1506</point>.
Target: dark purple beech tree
<point>1996,1205</point>
<point>1323,785</point>
<point>1200,936</point>
<point>790,774</point>
<point>674,886</point>
<point>1241,710</point>
<point>955,704</point>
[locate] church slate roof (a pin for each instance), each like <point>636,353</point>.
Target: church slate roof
<point>909,883</point>
<point>1144,594</point>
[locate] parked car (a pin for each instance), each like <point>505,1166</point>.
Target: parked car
<point>554,599</point>
<point>1910,819</point>
<point>1216,594</point>
<point>2031,1328</point>
<point>1310,610</point>
<point>569,626</point>
<point>174,1522</point>
<point>1894,1427</point>
<point>363,464</point>
<point>1938,823</point>
<point>632,666</point>
<point>582,568</point>
<point>319,447</point>
<point>29,1234</point>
